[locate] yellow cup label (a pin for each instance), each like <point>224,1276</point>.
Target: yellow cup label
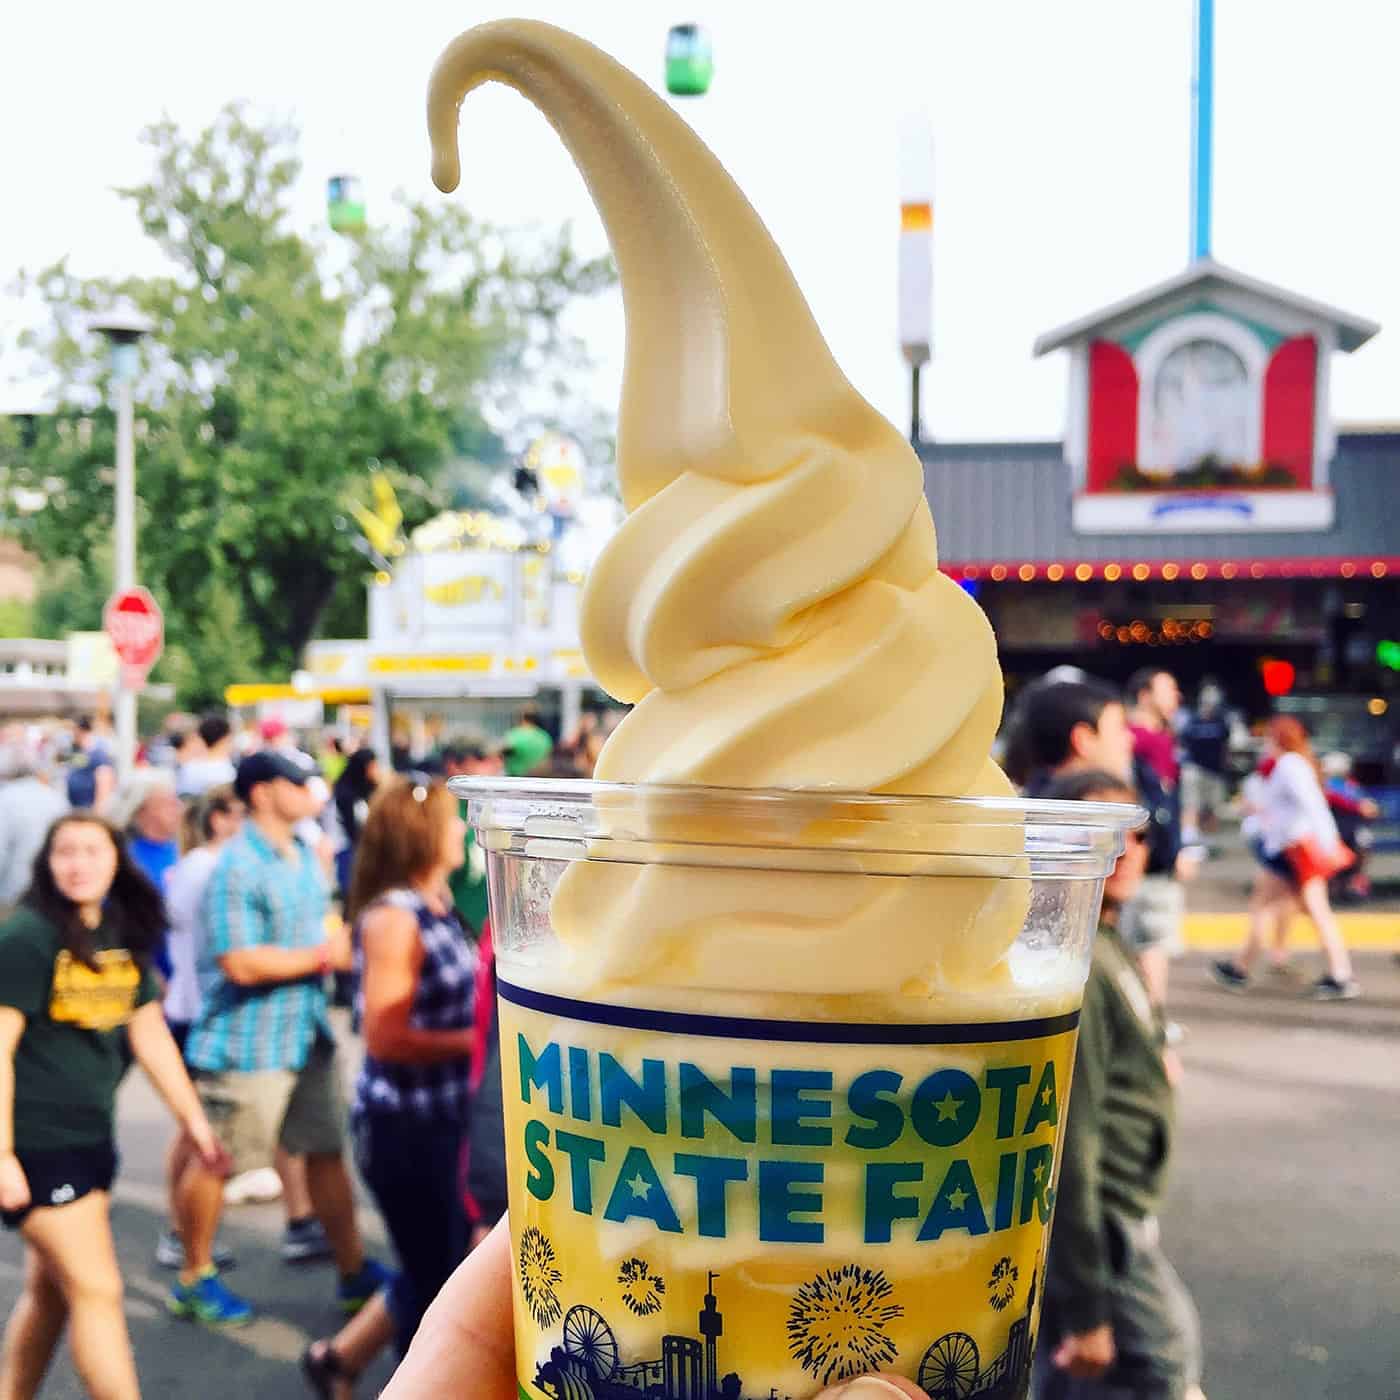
<point>708,1208</point>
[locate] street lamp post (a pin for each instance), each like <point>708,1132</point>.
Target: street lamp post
<point>123,329</point>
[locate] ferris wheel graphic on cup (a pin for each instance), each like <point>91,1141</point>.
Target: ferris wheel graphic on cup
<point>950,1368</point>
<point>589,1341</point>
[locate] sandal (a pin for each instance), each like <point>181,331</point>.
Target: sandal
<point>322,1368</point>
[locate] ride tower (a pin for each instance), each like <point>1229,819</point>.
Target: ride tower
<point>711,1329</point>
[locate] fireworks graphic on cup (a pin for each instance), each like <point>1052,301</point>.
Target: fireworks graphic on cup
<point>642,1290</point>
<point>1001,1287</point>
<point>837,1323</point>
<point>539,1277</point>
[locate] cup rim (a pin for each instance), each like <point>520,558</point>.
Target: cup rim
<point>1119,817</point>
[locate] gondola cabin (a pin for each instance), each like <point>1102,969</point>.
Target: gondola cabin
<point>345,203</point>
<point>690,61</point>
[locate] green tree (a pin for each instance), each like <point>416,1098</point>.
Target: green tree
<point>71,594</point>
<point>16,618</point>
<point>282,373</point>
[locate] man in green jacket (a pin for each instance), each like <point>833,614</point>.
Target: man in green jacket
<point>1118,1321</point>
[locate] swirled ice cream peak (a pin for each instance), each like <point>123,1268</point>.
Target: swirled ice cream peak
<point>772,604</point>
<point>773,600</point>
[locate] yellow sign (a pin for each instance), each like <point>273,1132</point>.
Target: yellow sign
<point>461,592</point>
<point>420,665</point>
<point>256,694</point>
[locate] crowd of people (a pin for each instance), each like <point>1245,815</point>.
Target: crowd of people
<point>203,918</point>
<point>1303,818</point>
<point>1118,1320</point>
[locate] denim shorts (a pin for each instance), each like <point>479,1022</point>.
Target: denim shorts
<point>1276,864</point>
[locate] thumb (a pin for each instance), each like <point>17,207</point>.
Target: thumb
<point>874,1388</point>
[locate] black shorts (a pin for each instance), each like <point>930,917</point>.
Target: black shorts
<point>180,1034</point>
<point>60,1176</point>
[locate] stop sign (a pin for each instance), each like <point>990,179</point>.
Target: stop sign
<point>133,620</point>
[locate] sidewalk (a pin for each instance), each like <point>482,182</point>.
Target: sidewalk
<point>1363,931</point>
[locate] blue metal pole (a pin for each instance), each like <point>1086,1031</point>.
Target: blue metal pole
<point>1202,127</point>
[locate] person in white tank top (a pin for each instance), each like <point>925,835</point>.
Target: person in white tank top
<point>1290,819</point>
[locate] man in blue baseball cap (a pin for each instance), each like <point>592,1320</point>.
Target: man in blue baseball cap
<point>263,1049</point>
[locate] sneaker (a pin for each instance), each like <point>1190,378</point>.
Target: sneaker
<point>1229,976</point>
<point>1330,988</point>
<point>354,1292</point>
<point>305,1242</point>
<point>252,1188</point>
<point>170,1253</point>
<point>209,1302</point>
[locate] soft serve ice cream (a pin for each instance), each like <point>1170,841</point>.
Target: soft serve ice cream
<point>839,1110</point>
<point>773,603</point>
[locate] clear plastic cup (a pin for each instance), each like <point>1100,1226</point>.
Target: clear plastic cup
<point>785,1077</point>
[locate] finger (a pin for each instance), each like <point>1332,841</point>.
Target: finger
<point>876,1388</point>
<point>464,1344</point>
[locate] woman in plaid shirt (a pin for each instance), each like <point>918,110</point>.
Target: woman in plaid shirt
<point>416,986</point>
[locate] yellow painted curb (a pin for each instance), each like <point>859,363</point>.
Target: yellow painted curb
<point>1213,933</point>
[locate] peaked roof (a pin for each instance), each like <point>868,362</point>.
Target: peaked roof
<point>1207,275</point>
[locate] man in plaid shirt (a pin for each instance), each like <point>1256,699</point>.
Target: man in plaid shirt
<point>262,1050</point>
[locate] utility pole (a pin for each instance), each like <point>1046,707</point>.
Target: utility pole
<point>1202,128</point>
<point>123,330</point>
<point>916,261</point>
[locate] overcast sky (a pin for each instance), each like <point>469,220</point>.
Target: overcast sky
<point>1061,133</point>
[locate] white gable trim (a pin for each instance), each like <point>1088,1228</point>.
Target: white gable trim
<point>1211,279</point>
<point>1324,429</point>
<point>1077,410</point>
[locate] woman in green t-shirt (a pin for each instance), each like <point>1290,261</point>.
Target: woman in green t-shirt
<point>75,973</point>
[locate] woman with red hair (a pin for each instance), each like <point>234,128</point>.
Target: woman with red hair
<point>1299,850</point>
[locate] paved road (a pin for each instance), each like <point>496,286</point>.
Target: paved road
<point>1285,1217</point>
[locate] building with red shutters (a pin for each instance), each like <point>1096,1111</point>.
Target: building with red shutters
<point>1202,507</point>
<point>1201,405</point>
